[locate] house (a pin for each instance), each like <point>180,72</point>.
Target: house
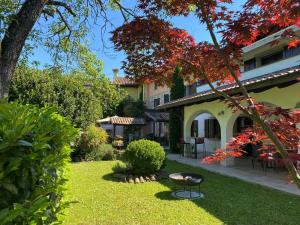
<point>156,126</point>
<point>269,73</point>
<point>133,89</point>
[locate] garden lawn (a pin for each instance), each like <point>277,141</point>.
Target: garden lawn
<point>101,200</point>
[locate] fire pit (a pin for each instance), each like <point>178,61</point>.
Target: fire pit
<point>187,181</point>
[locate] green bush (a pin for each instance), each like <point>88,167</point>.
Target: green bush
<point>90,144</point>
<point>144,156</point>
<point>34,151</point>
<point>103,152</point>
<point>109,152</point>
<point>92,138</point>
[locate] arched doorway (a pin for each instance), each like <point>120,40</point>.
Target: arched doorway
<point>205,134</point>
<point>241,123</point>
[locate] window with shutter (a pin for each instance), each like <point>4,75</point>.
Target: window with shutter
<point>156,102</point>
<point>206,128</point>
<point>212,128</point>
<point>166,98</point>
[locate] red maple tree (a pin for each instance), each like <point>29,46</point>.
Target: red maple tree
<point>154,48</point>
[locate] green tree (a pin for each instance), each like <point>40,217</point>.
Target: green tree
<point>59,26</point>
<point>90,70</point>
<point>70,96</point>
<point>175,127</point>
<point>131,108</point>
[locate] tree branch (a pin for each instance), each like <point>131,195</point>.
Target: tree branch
<point>63,19</point>
<point>256,116</point>
<point>62,4</point>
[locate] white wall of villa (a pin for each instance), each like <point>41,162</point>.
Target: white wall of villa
<point>258,52</point>
<point>263,48</point>
<point>287,97</point>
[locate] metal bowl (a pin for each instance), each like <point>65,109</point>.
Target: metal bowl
<point>186,179</point>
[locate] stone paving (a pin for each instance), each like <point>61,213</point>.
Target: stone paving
<point>244,171</point>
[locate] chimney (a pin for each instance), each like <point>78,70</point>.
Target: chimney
<point>116,72</point>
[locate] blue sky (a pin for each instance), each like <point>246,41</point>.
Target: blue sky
<point>111,58</point>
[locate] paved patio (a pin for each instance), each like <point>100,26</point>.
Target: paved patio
<point>244,171</point>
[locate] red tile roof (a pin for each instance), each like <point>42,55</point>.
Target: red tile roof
<point>116,120</point>
<point>124,81</point>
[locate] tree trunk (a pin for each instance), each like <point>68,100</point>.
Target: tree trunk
<point>14,40</point>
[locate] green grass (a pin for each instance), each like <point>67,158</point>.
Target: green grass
<point>101,200</point>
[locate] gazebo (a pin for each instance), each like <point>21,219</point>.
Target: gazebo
<point>114,122</point>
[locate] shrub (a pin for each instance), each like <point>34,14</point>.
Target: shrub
<point>120,167</point>
<point>92,138</point>
<point>34,152</point>
<point>144,156</point>
<point>92,147</point>
<point>103,152</point>
<point>109,152</point>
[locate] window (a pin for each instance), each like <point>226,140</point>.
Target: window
<point>212,129</point>
<point>290,52</point>
<point>265,60</point>
<point>166,98</point>
<point>155,86</point>
<point>192,89</point>
<point>201,82</point>
<point>156,102</point>
<point>250,64</point>
<point>271,58</point>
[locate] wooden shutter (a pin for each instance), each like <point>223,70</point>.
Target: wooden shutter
<point>217,129</point>
<point>206,128</point>
<point>194,128</point>
<point>212,128</point>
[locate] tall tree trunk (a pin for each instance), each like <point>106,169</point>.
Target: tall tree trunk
<point>14,40</point>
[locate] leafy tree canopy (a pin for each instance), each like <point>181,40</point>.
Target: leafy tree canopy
<point>80,97</point>
<point>131,107</point>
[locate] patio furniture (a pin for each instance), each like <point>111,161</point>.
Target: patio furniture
<point>186,148</point>
<point>182,145</point>
<point>186,181</point>
<point>255,156</point>
<point>294,156</point>
<point>199,141</point>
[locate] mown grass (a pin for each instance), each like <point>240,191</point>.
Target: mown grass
<point>103,201</point>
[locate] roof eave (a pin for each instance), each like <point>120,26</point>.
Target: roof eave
<point>265,84</point>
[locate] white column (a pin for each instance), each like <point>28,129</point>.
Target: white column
<point>226,134</point>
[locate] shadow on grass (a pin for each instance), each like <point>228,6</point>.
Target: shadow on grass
<point>236,202</point>
<point>166,195</point>
<point>110,177</point>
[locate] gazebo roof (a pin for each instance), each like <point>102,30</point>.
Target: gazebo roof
<point>125,121</point>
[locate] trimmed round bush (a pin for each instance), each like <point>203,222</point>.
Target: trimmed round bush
<point>144,156</point>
